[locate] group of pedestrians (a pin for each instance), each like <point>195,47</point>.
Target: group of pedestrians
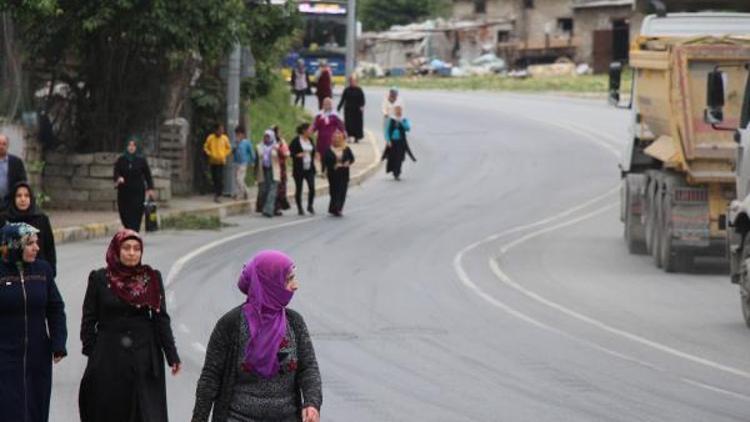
<point>260,363</point>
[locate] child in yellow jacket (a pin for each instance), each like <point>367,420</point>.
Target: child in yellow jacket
<point>217,148</point>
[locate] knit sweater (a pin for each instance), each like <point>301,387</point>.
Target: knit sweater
<point>297,385</point>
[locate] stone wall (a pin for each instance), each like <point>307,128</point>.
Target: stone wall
<point>85,181</point>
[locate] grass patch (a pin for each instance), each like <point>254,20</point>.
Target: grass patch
<point>276,108</point>
<point>192,222</point>
<point>573,84</point>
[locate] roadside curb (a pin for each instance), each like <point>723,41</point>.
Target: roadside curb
<point>98,230</point>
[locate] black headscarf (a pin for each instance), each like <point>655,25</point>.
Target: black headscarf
<point>14,214</point>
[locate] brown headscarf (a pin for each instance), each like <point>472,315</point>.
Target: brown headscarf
<point>138,285</point>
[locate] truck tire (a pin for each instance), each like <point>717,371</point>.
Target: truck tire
<point>657,226</point>
<point>634,231</point>
<point>671,260</point>
<point>650,218</point>
<point>745,280</point>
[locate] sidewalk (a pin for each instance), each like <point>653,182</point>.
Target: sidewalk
<point>70,226</point>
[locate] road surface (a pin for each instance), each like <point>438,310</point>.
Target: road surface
<point>491,283</point>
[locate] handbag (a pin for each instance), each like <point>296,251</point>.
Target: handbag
<point>151,214</point>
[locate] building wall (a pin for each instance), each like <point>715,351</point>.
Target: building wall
<point>588,20</point>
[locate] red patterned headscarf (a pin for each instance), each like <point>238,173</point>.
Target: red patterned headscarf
<point>138,285</point>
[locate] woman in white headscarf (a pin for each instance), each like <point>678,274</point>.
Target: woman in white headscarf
<point>267,173</point>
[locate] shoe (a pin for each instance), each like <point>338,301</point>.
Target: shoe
<point>338,214</point>
<point>267,215</point>
<point>278,213</point>
<point>311,210</point>
<point>397,177</point>
<point>300,212</point>
<point>217,200</point>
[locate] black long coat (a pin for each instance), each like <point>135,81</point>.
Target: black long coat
<point>353,99</point>
<point>42,322</point>
<point>125,344</point>
<point>131,194</point>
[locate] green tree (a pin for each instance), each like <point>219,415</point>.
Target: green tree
<point>378,15</point>
<point>128,64</point>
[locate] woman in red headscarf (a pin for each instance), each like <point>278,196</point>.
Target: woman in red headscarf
<point>126,333</point>
<point>260,363</point>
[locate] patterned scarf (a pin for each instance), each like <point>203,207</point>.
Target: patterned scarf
<point>137,285</point>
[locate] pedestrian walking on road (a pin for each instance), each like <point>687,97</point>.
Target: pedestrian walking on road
<point>326,123</point>
<point>243,156</point>
<point>126,334</point>
<point>390,102</point>
<point>23,209</point>
<point>12,171</point>
<point>338,158</point>
<point>268,167</point>
<point>324,84</point>
<point>134,183</point>
<point>396,144</point>
<point>217,148</point>
<point>32,327</point>
<point>260,363</point>
<point>300,82</point>
<point>282,202</point>
<point>353,102</point>
<point>303,167</point>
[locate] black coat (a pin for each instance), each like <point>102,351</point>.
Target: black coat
<point>297,163</point>
<point>341,173</point>
<point>126,344</point>
<point>42,322</point>
<point>352,100</point>
<point>136,172</point>
<point>16,173</point>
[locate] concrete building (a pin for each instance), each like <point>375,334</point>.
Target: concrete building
<point>596,32</point>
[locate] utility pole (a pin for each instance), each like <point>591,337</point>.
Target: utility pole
<point>351,36</point>
<point>233,111</point>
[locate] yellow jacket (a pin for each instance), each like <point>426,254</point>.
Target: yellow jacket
<point>217,148</point>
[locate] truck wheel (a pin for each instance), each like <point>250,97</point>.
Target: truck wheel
<point>669,258</point>
<point>634,230</point>
<point>658,227</point>
<point>650,226</point>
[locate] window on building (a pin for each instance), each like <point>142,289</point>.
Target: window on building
<point>565,25</point>
<point>503,36</point>
<point>480,6</point>
<point>528,4</point>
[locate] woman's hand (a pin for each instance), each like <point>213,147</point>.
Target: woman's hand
<point>176,368</point>
<point>150,194</point>
<point>310,414</point>
<point>120,180</point>
<point>57,358</point>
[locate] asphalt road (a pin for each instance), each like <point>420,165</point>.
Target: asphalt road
<point>491,283</point>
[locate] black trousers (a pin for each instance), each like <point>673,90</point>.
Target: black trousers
<point>217,176</point>
<point>338,184</point>
<point>130,207</point>
<point>309,177</point>
<point>299,97</point>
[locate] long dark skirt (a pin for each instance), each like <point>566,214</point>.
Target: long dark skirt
<point>354,122</point>
<point>338,184</point>
<point>282,202</point>
<point>396,154</point>
<point>130,206</point>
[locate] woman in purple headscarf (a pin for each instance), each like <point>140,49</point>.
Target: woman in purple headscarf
<point>260,364</point>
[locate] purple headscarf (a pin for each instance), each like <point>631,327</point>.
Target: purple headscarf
<point>263,280</point>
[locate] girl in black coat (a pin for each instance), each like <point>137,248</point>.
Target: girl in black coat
<point>23,209</point>
<point>126,334</point>
<point>133,181</point>
<point>353,102</point>
<point>338,159</point>
<point>302,150</point>
<point>32,327</point>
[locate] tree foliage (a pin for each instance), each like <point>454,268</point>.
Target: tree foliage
<point>378,15</point>
<point>128,64</point>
